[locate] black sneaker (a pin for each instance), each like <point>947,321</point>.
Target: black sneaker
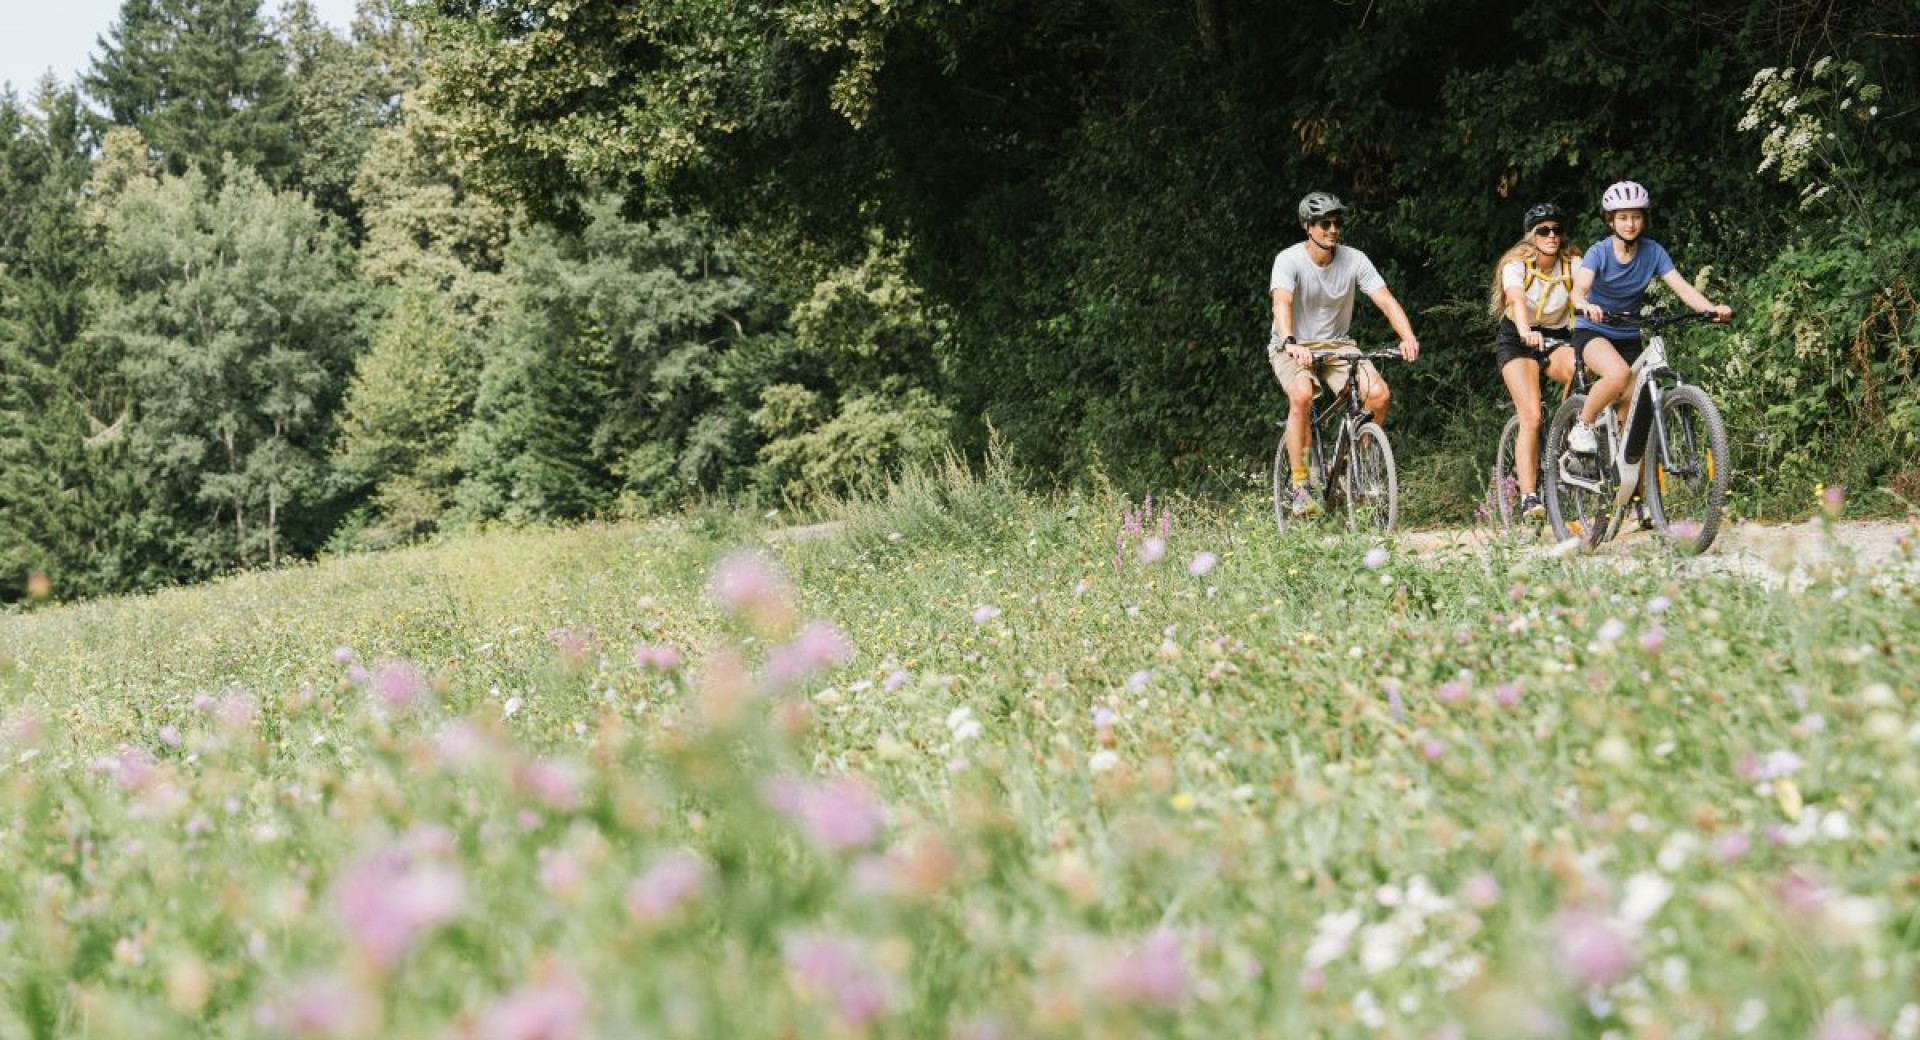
<point>1532,508</point>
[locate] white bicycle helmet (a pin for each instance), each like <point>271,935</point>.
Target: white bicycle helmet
<point>1625,195</point>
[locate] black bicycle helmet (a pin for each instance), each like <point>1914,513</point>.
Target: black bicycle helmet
<point>1319,204</point>
<point>1539,215</point>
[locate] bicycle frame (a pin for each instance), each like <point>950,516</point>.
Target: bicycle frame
<point>1347,401</point>
<point>1652,379</point>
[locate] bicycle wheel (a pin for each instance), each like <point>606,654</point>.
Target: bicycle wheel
<point>1689,475</point>
<point>1373,488</point>
<point>1503,487</point>
<point>1283,478</point>
<point>1573,511</point>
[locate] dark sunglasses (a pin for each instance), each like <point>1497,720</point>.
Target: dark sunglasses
<point>1547,229</point>
<point>1325,223</point>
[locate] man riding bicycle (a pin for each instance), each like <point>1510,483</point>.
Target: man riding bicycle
<point>1313,286</point>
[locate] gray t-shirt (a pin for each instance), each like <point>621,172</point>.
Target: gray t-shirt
<point>1323,296</point>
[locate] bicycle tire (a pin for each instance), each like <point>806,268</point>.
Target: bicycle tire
<point>1572,512</point>
<point>1503,487</point>
<point>1373,486</point>
<point>1688,501</point>
<point>1283,478</point>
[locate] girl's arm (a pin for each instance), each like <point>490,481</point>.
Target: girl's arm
<point>1582,283</point>
<point>1692,297</point>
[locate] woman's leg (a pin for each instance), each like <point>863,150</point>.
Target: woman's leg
<point>1522,376</point>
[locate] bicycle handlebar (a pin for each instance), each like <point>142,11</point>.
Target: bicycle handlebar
<point>1387,354</point>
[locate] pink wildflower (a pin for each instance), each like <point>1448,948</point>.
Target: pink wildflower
<point>1151,974</point>
<point>747,584</point>
<point>894,681</point>
<point>1203,563</point>
<point>841,815</point>
<point>834,969</point>
<point>1732,846</point>
<point>550,1009</point>
<point>1653,639</point>
<point>397,684</point>
<point>984,613</point>
<point>1375,559</point>
<point>343,655</point>
<point>669,888</point>
<point>557,785</point>
<point>1432,749</point>
<point>321,1009</point>
<point>1832,501</point>
<point>1591,950</point>
<point>662,658</point>
<point>574,647</point>
<point>1451,693</point>
<point>1844,1027</point>
<point>1481,891</point>
<point>561,874</point>
<point>391,900</point>
<point>818,647</point>
<point>1506,694</point>
<point>1152,550</point>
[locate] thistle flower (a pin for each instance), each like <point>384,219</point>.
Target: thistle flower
<point>1152,973</point>
<point>1590,949</point>
<point>669,888</point>
<point>1203,563</point>
<point>392,899</point>
<point>397,684</point>
<point>747,584</point>
<point>840,815</point>
<point>835,970</point>
<point>554,1008</point>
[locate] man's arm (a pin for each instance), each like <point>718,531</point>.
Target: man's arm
<point>1283,326</point>
<point>1396,317</point>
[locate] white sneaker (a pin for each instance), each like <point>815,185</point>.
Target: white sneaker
<point>1580,438</point>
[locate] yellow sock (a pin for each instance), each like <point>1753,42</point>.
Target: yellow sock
<point>1299,474</point>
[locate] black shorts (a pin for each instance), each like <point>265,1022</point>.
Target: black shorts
<point>1507,344</point>
<point>1627,346</point>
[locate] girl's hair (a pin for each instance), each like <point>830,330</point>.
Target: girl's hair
<point>1524,252</point>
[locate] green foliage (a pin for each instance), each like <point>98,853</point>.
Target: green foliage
<point>865,343</point>
<point>411,394</point>
<point>341,92</point>
<point>233,319</point>
<point>202,80</point>
<point>603,374</point>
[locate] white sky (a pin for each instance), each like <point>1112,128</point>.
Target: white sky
<point>37,35</point>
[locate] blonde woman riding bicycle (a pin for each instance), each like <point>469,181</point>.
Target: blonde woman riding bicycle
<point>1533,295</point>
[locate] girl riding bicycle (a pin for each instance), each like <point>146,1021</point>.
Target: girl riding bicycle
<point>1533,294</point>
<point>1614,277</point>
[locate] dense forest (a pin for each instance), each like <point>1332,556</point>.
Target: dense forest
<point>269,290</point>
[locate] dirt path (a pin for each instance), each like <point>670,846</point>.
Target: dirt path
<point>1766,552</point>
<point>1771,553</point>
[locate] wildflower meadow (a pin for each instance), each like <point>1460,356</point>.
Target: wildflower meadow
<point>976,764</point>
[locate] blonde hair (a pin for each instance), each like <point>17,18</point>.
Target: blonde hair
<point>1525,252</point>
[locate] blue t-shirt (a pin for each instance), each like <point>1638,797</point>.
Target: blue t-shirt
<point>1621,287</point>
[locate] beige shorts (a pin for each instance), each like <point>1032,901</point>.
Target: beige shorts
<point>1331,374</point>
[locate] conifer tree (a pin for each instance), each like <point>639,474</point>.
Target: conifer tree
<point>201,79</point>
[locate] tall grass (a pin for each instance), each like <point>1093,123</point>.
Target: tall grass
<point>978,763</point>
